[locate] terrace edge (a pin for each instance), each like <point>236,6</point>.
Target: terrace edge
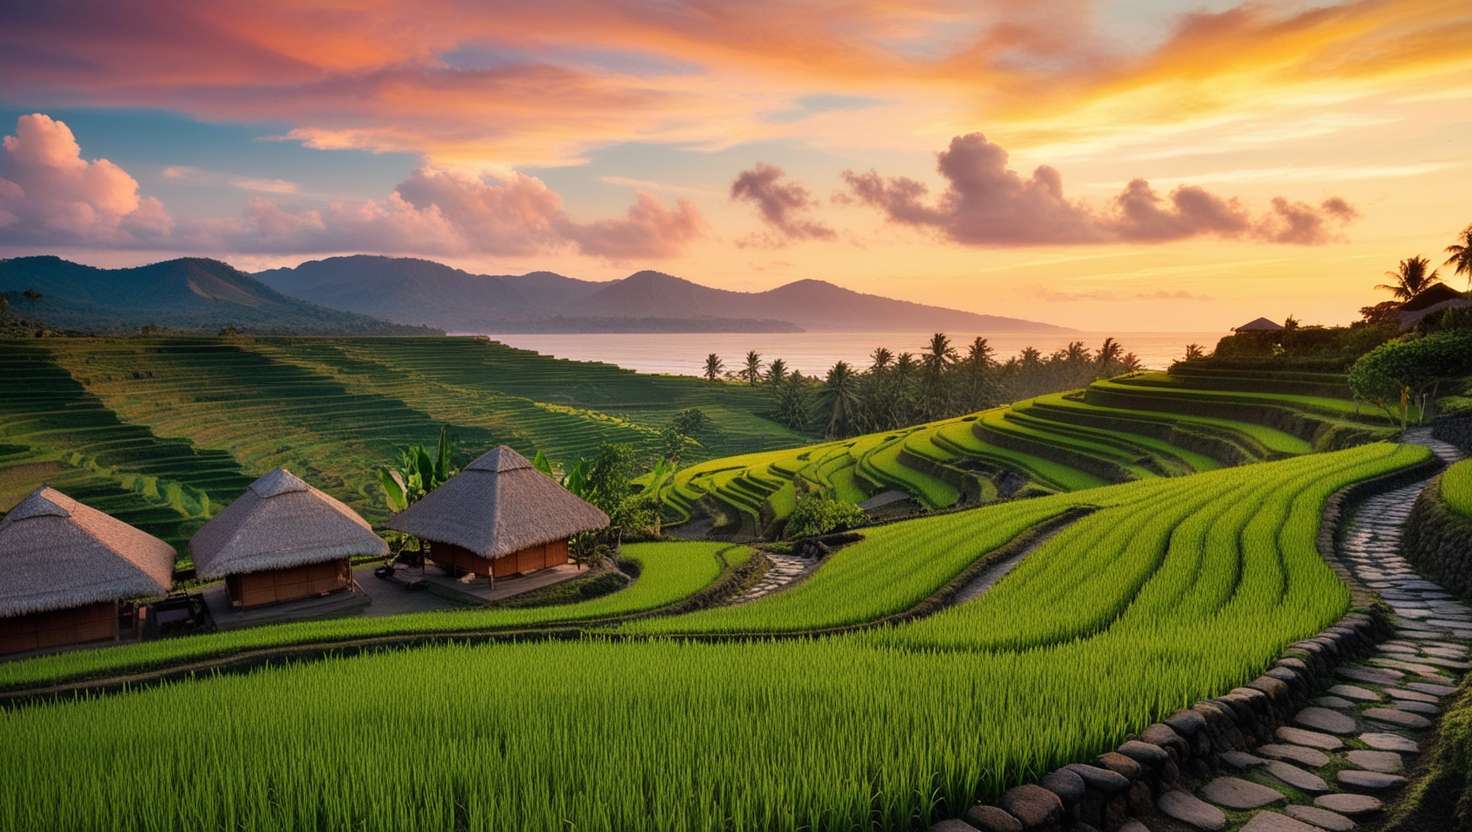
<point>1189,745</point>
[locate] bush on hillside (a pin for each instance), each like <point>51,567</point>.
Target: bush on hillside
<point>1328,349</point>
<point>817,514</point>
<point>1400,375</point>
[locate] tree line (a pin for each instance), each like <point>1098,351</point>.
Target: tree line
<point>899,390</point>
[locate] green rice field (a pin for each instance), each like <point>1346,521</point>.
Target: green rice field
<point>1171,589</point>
<point>1137,427</point>
<point>162,433</point>
<point>1456,487</point>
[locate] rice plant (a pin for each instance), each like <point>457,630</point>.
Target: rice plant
<point>1174,589</point>
<point>1456,487</point>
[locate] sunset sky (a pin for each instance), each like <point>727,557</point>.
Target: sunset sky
<point>1120,164</point>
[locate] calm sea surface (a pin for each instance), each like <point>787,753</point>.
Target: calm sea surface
<point>814,352</point>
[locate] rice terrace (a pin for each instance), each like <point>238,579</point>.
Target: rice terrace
<point>1097,455</point>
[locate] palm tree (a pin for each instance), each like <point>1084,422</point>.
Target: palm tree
<point>1461,255</point>
<point>752,372</point>
<point>902,390</point>
<point>939,354</point>
<point>713,367</point>
<point>1109,353</point>
<point>1129,363</point>
<point>880,359</point>
<point>1411,278</point>
<point>792,402</point>
<point>776,372</point>
<point>840,399</point>
<point>1195,352</point>
<point>981,385</point>
<point>937,359</point>
<point>1076,353</point>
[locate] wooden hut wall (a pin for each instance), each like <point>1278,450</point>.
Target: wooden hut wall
<point>252,589</point>
<point>457,560</point>
<point>56,628</point>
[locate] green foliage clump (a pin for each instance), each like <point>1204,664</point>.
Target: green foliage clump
<point>1401,375</point>
<point>1456,487</point>
<point>816,513</point>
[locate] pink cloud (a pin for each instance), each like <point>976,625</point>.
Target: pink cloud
<point>987,203</point>
<point>49,194</point>
<point>780,204</point>
<point>648,230</point>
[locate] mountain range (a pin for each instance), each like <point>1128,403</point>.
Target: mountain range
<point>370,295</point>
<point>412,291</point>
<point>193,294</point>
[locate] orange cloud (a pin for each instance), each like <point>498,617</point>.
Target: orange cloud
<point>549,80</point>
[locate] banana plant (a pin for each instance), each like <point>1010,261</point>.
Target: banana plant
<point>417,473</point>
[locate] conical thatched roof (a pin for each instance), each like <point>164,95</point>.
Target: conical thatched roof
<point>56,553</point>
<point>279,522</point>
<point>1259,325</point>
<point>498,505</point>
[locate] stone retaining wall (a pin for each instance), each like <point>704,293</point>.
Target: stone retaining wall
<point>1438,541</point>
<point>1197,743</point>
<point>1454,430</point>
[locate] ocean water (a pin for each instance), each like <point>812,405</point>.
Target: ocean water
<point>814,352</point>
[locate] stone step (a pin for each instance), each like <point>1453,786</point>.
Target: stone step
<point>1236,793</point>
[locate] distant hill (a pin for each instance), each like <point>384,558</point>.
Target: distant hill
<point>191,294</point>
<point>425,292</point>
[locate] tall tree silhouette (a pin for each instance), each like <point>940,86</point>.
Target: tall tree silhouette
<point>776,372</point>
<point>1411,278</point>
<point>839,399</point>
<point>937,359</point>
<point>713,366</point>
<point>1461,255</point>
<point>752,371</point>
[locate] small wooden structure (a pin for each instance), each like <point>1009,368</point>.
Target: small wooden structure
<point>64,568</point>
<point>1259,325</point>
<point>497,518</point>
<point>282,540</point>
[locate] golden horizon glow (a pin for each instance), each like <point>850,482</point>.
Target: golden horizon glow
<point>597,138</point>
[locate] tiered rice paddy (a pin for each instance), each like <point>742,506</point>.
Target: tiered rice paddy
<point>1172,590</point>
<point>163,432</point>
<point>1135,427</point>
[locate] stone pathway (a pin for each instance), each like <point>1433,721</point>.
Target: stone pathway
<point>784,570</point>
<point>1346,754</point>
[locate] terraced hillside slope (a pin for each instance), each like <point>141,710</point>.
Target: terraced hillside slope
<point>163,432</point>
<point>1171,590</point>
<point>1135,427</point>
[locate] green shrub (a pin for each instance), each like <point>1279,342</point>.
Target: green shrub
<point>1402,375</point>
<point>816,514</point>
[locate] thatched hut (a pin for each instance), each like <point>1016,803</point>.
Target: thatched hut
<point>1258,325</point>
<point>282,540</point>
<point>497,518</point>
<point>64,567</point>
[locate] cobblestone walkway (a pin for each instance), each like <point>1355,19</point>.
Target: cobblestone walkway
<point>1346,754</point>
<point>784,570</point>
